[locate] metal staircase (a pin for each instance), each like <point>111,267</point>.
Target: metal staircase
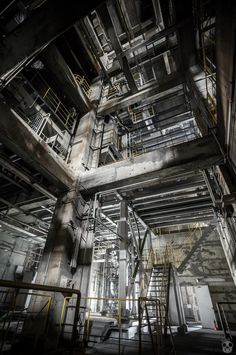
<point>154,308</point>
<point>159,288</point>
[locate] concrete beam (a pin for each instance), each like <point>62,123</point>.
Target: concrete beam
<point>148,93</point>
<point>158,164</point>
<point>65,78</point>
<point>18,137</point>
<point>52,18</point>
<point>107,15</point>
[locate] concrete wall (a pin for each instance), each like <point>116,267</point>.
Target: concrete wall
<point>208,261</point>
<point>207,267</point>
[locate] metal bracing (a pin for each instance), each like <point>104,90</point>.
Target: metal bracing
<point>207,231</point>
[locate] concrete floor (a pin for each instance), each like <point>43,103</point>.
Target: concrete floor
<point>199,341</point>
<point>196,342</point>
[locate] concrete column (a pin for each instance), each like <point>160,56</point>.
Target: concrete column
<point>67,256</point>
<point>54,263</point>
<point>122,230</point>
<point>81,151</point>
<point>54,270</point>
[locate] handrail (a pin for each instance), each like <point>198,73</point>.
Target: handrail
<point>136,114</point>
<point>83,83</point>
<point>29,286</point>
<point>222,318</point>
<point>64,291</point>
<point>47,94</point>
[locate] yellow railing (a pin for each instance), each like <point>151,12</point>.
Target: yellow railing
<point>58,108</point>
<point>114,89</point>
<point>137,114</point>
<point>132,114</point>
<point>82,81</point>
<point>113,310</point>
<point>53,101</point>
<point>27,310</point>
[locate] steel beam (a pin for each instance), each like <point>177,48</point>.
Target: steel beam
<point>183,221</point>
<point>106,13</point>
<point>149,93</point>
<point>16,229</point>
<point>22,175</point>
<point>38,220</point>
